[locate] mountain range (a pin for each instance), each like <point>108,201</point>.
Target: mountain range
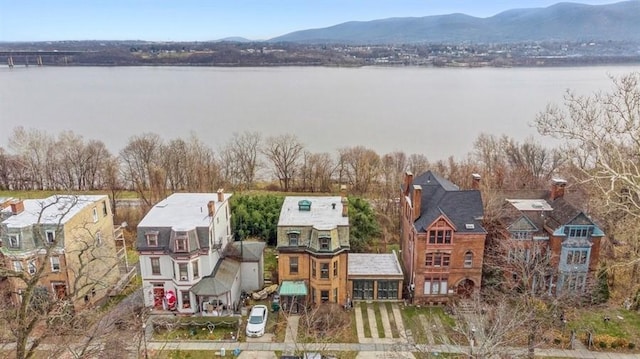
<point>559,22</point>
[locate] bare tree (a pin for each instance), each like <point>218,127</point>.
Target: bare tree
<point>34,315</point>
<point>242,152</point>
<point>33,149</point>
<point>602,139</point>
<point>142,166</point>
<point>284,152</point>
<point>315,172</point>
<point>360,166</point>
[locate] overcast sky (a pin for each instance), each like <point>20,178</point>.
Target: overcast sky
<point>199,20</point>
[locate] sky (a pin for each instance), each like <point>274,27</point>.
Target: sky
<point>202,20</point>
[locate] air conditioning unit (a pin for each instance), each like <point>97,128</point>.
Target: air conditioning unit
<point>183,278</point>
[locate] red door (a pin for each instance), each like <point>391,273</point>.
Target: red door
<point>158,296</point>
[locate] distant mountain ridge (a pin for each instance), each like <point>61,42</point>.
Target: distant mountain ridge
<point>559,22</point>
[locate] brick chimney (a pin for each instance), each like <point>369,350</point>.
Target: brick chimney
<point>408,180</point>
<point>345,207</point>
<point>557,188</point>
<point>416,201</point>
<point>220,195</point>
<point>475,181</point>
<point>17,207</point>
<point>211,207</point>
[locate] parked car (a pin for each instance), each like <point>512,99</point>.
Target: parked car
<point>257,321</point>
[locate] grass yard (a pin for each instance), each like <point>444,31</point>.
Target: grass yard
<point>620,332</point>
<point>411,316</point>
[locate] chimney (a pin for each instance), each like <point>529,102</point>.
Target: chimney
<point>220,195</point>
<point>416,201</point>
<point>408,179</point>
<point>475,181</point>
<point>17,207</point>
<point>345,207</point>
<point>557,188</point>
<point>211,207</point>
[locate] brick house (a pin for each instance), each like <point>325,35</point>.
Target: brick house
<point>69,240</point>
<point>544,224</point>
<point>442,238</point>
<point>313,246</point>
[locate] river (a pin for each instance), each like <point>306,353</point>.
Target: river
<point>434,111</point>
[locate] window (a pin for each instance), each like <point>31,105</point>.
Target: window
<point>313,268</point>
<point>335,295</point>
<point>293,239</point>
<point>186,299</point>
<point>98,238</point>
<point>521,235</point>
<point>324,271</point>
<point>387,289</point>
<point>440,236</point>
<point>577,256</point>
<point>155,265</point>
<point>55,264</point>
<point>152,238</point>
<point>17,266</point>
<point>104,208</point>
<point>574,282</point>
<point>324,296</point>
<point>293,265</point>
<point>95,214</point>
<point>579,232</point>
<point>362,289</point>
<point>181,244</point>
<point>437,259</point>
<point>324,243</point>
<point>468,259</point>
<point>195,268</point>
<point>32,266</point>
<point>50,236</point>
<point>14,240</point>
<point>335,268</point>
<point>183,269</point>
<point>435,285</point>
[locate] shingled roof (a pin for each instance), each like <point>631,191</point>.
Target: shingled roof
<point>441,197</point>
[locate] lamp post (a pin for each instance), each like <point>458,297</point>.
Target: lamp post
<point>472,341</point>
<point>144,339</point>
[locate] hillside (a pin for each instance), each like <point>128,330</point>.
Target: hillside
<point>560,22</point>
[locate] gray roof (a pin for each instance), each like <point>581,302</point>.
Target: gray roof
<point>441,197</point>
<point>56,209</point>
<point>383,264</point>
<point>182,211</point>
<point>251,251</point>
<point>322,215</point>
<point>220,281</point>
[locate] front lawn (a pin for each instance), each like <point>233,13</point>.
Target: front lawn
<point>610,328</point>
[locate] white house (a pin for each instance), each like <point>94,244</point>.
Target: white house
<point>181,242</point>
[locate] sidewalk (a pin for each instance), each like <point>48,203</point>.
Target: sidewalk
<point>378,348</point>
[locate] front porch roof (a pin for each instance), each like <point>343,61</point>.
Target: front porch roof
<point>220,281</point>
<point>291,288</point>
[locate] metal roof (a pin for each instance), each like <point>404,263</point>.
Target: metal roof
<point>382,264</point>
<point>290,288</point>
<point>183,211</point>
<point>56,209</point>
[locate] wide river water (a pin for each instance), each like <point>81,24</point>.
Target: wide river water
<point>433,111</point>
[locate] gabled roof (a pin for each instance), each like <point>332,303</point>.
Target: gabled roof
<point>441,197</point>
<point>220,281</point>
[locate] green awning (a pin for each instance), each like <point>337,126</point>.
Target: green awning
<point>291,288</point>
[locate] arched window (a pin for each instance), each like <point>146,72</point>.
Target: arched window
<point>468,259</point>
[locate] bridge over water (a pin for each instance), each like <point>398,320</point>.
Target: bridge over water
<point>38,57</point>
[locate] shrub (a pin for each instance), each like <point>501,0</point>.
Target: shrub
<point>602,345</point>
<point>631,346</point>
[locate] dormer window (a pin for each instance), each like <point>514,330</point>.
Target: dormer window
<point>50,236</point>
<point>181,244</point>
<point>14,240</point>
<point>152,238</point>
<point>293,238</point>
<point>324,243</point>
